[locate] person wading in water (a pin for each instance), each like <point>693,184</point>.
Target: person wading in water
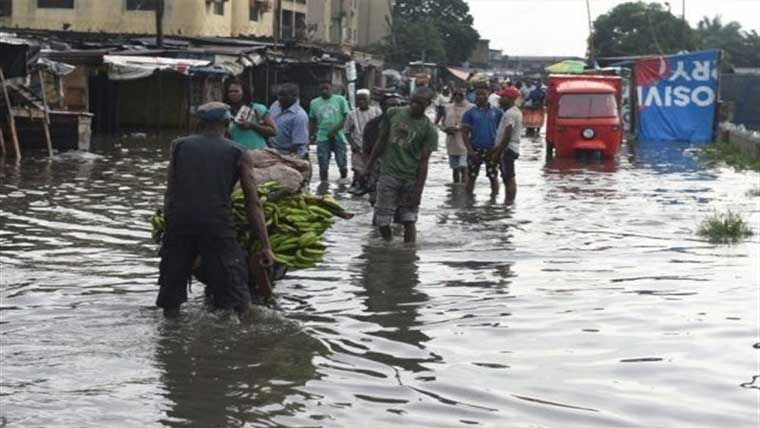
<point>407,139</point>
<point>203,170</point>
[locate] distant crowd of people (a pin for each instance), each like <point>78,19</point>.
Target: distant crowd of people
<point>391,145</point>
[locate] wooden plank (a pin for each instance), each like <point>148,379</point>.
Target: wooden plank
<point>28,113</point>
<point>11,119</point>
<point>46,121</point>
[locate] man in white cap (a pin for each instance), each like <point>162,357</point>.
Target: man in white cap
<point>203,170</point>
<point>355,124</point>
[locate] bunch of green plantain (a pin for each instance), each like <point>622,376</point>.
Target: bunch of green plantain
<point>295,224</point>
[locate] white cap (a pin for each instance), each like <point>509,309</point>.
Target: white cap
<point>363,92</point>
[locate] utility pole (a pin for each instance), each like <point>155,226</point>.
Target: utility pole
<point>160,23</point>
<point>592,54</point>
<point>685,25</point>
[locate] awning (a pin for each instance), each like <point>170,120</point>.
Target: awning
<point>459,74</point>
<point>138,67</point>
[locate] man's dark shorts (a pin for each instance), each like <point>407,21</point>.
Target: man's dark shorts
<point>224,269</point>
<point>396,199</point>
<point>474,163</point>
<point>508,165</point>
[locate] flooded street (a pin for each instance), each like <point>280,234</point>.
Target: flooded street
<point>589,303</point>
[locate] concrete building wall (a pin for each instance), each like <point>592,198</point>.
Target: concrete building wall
<point>479,57</point>
<point>243,25</point>
<point>181,17</point>
<point>373,19</point>
<point>318,17</point>
<point>333,21</point>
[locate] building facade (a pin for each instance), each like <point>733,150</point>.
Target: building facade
<point>333,22</point>
<point>374,21</point>
<point>221,18</point>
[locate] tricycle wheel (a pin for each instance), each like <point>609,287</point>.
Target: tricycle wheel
<point>549,150</point>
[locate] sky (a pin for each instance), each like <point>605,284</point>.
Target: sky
<point>560,27</point>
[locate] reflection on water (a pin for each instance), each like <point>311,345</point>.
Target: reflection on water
<point>590,302</point>
<point>388,289</point>
<point>217,373</point>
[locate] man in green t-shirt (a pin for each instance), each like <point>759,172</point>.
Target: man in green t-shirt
<point>328,114</point>
<point>407,139</point>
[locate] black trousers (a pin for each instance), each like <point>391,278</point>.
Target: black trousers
<point>223,267</point>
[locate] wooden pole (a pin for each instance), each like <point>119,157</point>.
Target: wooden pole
<point>2,142</point>
<point>11,119</point>
<point>46,120</point>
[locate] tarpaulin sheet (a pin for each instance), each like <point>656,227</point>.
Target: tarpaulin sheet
<point>138,67</point>
<point>677,97</point>
<point>55,67</point>
<point>743,91</point>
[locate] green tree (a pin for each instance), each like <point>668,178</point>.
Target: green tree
<point>446,26</point>
<point>740,48</point>
<point>414,41</point>
<point>639,29</point>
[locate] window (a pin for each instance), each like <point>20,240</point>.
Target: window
<point>587,105</point>
<point>300,25</point>
<point>142,4</point>
<point>286,31</point>
<point>6,7</point>
<point>218,8</point>
<point>55,4</point>
<point>255,10</point>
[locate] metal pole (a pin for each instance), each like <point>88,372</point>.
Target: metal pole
<point>278,21</point>
<point>293,19</point>
<point>160,23</point>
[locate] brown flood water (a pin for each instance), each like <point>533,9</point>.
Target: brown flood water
<point>590,303</point>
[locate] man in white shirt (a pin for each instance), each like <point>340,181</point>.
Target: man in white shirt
<point>452,126</point>
<point>508,141</point>
<point>525,92</point>
<point>354,127</point>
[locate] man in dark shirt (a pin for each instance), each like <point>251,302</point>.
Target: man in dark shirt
<point>203,170</point>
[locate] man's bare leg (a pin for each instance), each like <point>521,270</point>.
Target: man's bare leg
<point>171,312</point>
<point>469,183</point>
<point>511,191</point>
<point>495,186</point>
<point>386,233</point>
<point>410,232</point>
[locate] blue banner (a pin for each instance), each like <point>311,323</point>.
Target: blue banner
<point>677,97</point>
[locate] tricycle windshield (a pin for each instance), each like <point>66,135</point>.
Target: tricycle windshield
<point>587,105</point>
